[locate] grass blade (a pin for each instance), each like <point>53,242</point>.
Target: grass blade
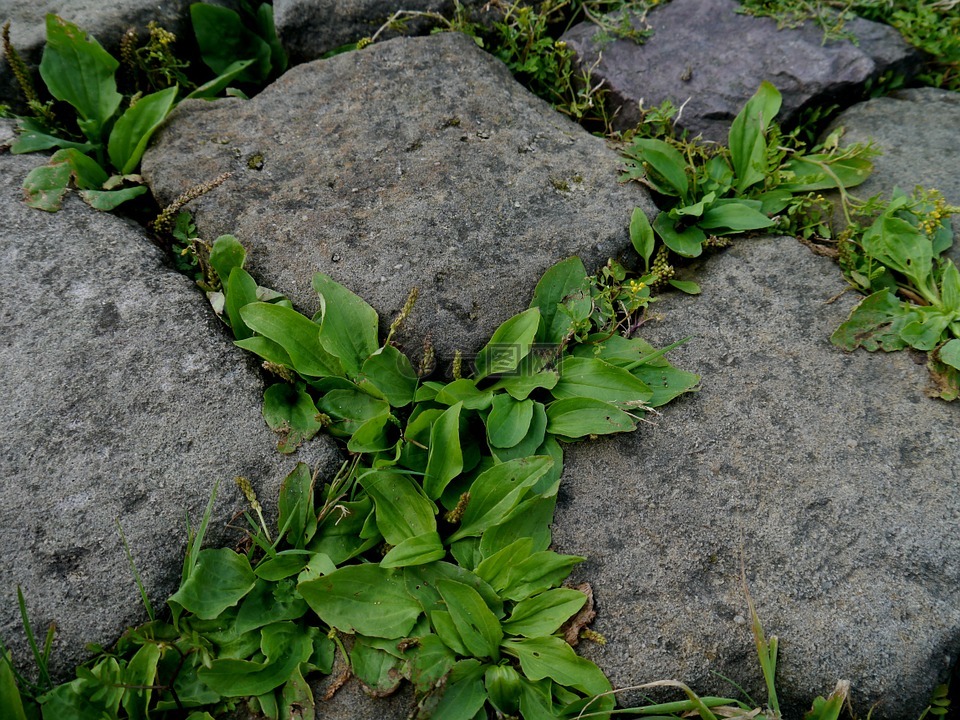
<point>136,574</point>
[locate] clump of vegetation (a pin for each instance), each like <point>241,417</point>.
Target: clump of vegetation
<point>709,192</point>
<point>99,133</point>
<point>913,290</point>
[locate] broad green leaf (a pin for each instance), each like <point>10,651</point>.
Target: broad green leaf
<point>219,581</point>
<point>508,421</point>
<point>241,290</point>
<point>319,565</point>
<point>133,130</point>
<point>266,349</point>
<point>746,139</point>
<point>212,88</point>
<point>529,443</point>
<point>467,552</point>
<point>139,677</point>
<point>297,335</point>
<point>351,408</point>
<point>536,701</point>
<point>375,668</point>
<point>686,243</point>
<point>503,688</point>
<point>348,328</point>
<point>871,324</point>
<point>478,627</point>
<point>599,380</point>
<point>431,660</point>
<point>549,483</point>
<point>270,602</point>
<point>267,31</point>
<point>422,582</point>
<point>733,217</point>
<point>464,391</point>
<point>417,550</point>
<point>33,136</point>
<point>665,382</point>
<point>823,172</point>
<point>509,344</point>
<point>45,186</point>
<point>565,282</point>
<point>686,286</point>
<point>541,571</point>
<point>77,70</point>
<point>641,235</point>
<point>226,254</point>
<point>289,411</point>
<point>297,701</point>
<point>497,491</point>
<point>463,695</point>
<point>545,613</point>
<point>284,646</point>
<point>950,289</point>
<point>390,372</point>
<point>445,459</point>
<point>87,173</point>
<point>71,700</point>
<point>924,327</point>
<point>496,568</point>
<point>339,533</point>
<point>578,417</point>
<point>695,210</point>
<point>667,164</point>
<point>520,386</point>
<point>366,599</point>
<point>223,39</point>
<point>402,511</point>
<point>283,565</point>
<point>374,436</point>
<point>530,519</point>
<point>950,353</point>
<point>442,623</point>
<point>107,200</point>
<point>551,657</point>
<point>900,246</point>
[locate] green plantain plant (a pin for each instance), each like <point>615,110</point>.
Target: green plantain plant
<point>427,557</point>
<point>98,151</point>
<point>711,191</point>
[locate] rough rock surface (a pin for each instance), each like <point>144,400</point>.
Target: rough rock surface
<point>123,400</point>
<point>706,55</point>
<point>107,21</point>
<point>917,132</point>
<point>829,476</point>
<point>310,28</point>
<point>416,162</point>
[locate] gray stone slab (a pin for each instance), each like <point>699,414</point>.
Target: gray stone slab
<point>123,400</point>
<point>829,476</point>
<point>106,20</point>
<point>916,131</point>
<point>415,162</point>
<point>310,28</point>
<point>706,55</point>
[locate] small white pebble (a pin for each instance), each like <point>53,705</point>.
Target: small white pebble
<point>739,619</point>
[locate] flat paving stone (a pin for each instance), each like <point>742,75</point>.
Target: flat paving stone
<point>124,402</point>
<point>418,162</point>
<point>829,477</point>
